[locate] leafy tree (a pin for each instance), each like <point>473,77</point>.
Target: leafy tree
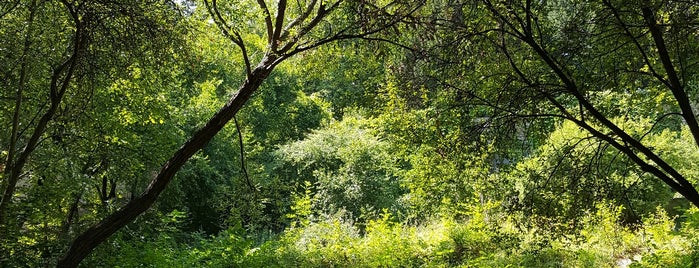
<point>558,59</point>
<point>67,67</point>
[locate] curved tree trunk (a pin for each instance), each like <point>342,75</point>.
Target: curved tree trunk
<point>88,240</point>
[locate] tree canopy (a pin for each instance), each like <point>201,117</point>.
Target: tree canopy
<point>308,133</point>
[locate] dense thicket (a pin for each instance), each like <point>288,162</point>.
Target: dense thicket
<point>348,133</point>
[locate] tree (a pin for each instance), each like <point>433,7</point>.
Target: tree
<point>558,59</point>
<point>291,30</point>
<point>62,63</point>
<point>58,83</point>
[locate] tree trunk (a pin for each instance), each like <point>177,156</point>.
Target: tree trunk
<point>60,80</point>
<point>88,240</point>
<point>10,179</point>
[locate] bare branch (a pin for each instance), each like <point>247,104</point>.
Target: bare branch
<point>12,147</point>
<point>320,14</point>
<point>672,177</point>
<point>657,121</point>
<point>340,35</point>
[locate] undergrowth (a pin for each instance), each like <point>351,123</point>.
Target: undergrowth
<point>483,239</point>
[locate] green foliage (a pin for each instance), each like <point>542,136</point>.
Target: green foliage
<point>571,173</point>
<point>351,76</point>
<point>91,155</point>
<point>357,153</point>
<point>668,246</point>
<point>350,166</point>
<point>478,242</point>
<point>301,208</point>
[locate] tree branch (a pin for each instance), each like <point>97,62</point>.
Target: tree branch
<point>57,90</point>
<point>672,178</point>
<point>676,86</point>
<point>307,12</point>
<point>635,41</point>
<point>268,21</point>
<point>226,30</point>
<point>278,24</point>
<point>242,155</point>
